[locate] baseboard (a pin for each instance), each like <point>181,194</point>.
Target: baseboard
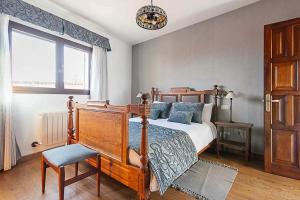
<point>29,157</point>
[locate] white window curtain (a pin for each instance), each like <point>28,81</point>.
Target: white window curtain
<point>8,154</point>
<point>98,90</point>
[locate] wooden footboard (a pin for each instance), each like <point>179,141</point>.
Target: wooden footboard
<point>105,128</point>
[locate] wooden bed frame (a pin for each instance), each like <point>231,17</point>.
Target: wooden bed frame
<point>104,128</point>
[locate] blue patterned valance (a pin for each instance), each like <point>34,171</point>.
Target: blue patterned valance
<point>37,16</point>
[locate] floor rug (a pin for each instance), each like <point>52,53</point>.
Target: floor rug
<point>207,180</point>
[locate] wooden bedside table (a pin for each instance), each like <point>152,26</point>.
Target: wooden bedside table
<point>244,146</point>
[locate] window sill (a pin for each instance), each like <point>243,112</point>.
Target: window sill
<point>36,90</point>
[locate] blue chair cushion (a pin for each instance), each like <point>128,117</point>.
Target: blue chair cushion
<point>68,154</point>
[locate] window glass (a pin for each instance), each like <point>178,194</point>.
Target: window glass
<point>76,68</point>
<point>33,61</point>
<point>47,64</point>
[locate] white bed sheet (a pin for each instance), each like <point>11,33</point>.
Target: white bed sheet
<point>201,135</point>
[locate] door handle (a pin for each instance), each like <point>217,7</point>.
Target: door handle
<point>268,103</point>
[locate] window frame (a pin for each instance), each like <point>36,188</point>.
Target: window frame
<point>59,69</point>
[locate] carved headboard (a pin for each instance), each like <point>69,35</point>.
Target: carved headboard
<point>178,94</point>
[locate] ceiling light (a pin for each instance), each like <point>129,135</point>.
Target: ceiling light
<point>151,17</point>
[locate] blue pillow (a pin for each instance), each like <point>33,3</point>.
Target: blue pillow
<point>164,109</point>
<point>154,113</point>
<point>196,108</point>
<point>183,117</point>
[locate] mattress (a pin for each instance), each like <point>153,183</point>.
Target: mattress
<point>201,135</point>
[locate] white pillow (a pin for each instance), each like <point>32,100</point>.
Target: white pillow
<point>207,111</point>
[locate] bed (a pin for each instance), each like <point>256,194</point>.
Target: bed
<point>107,129</point>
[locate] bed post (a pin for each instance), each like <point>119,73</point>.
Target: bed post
<point>70,105</point>
<point>144,182</point>
<point>153,94</point>
<point>216,93</point>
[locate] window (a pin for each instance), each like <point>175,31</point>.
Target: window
<point>76,65</point>
<point>43,63</point>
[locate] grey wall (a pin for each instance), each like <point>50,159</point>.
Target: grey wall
<point>226,50</point>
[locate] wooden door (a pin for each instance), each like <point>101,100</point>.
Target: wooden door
<point>282,98</point>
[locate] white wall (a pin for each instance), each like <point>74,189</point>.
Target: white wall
<point>27,107</point>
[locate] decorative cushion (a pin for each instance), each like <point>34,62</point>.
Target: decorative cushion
<point>68,154</point>
<point>154,113</point>
<point>207,112</point>
<point>183,117</point>
<point>163,107</point>
<point>196,108</point>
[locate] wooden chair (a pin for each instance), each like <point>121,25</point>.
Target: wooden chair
<point>58,158</point>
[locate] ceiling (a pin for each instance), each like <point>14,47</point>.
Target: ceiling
<point>118,16</point>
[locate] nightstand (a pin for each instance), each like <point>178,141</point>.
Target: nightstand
<point>243,146</point>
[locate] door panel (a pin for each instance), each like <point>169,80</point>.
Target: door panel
<point>296,107</point>
<point>282,121</point>
<point>284,75</point>
<point>284,147</point>
<point>296,40</point>
<point>289,114</point>
<point>279,42</point>
<point>278,110</point>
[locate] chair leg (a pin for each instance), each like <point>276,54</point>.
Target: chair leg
<point>76,169</point>
<point>98,173</point>
<point>43,171</point>
<point>61,182</point>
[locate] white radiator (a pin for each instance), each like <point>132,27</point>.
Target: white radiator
<point>54,128</point>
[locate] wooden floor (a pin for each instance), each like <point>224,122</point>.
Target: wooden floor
<point>23,183</point>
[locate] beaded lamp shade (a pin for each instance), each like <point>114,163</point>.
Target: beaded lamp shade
<point>151,17</point>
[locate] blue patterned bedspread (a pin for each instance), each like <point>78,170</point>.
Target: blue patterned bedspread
<point>171,152</point>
